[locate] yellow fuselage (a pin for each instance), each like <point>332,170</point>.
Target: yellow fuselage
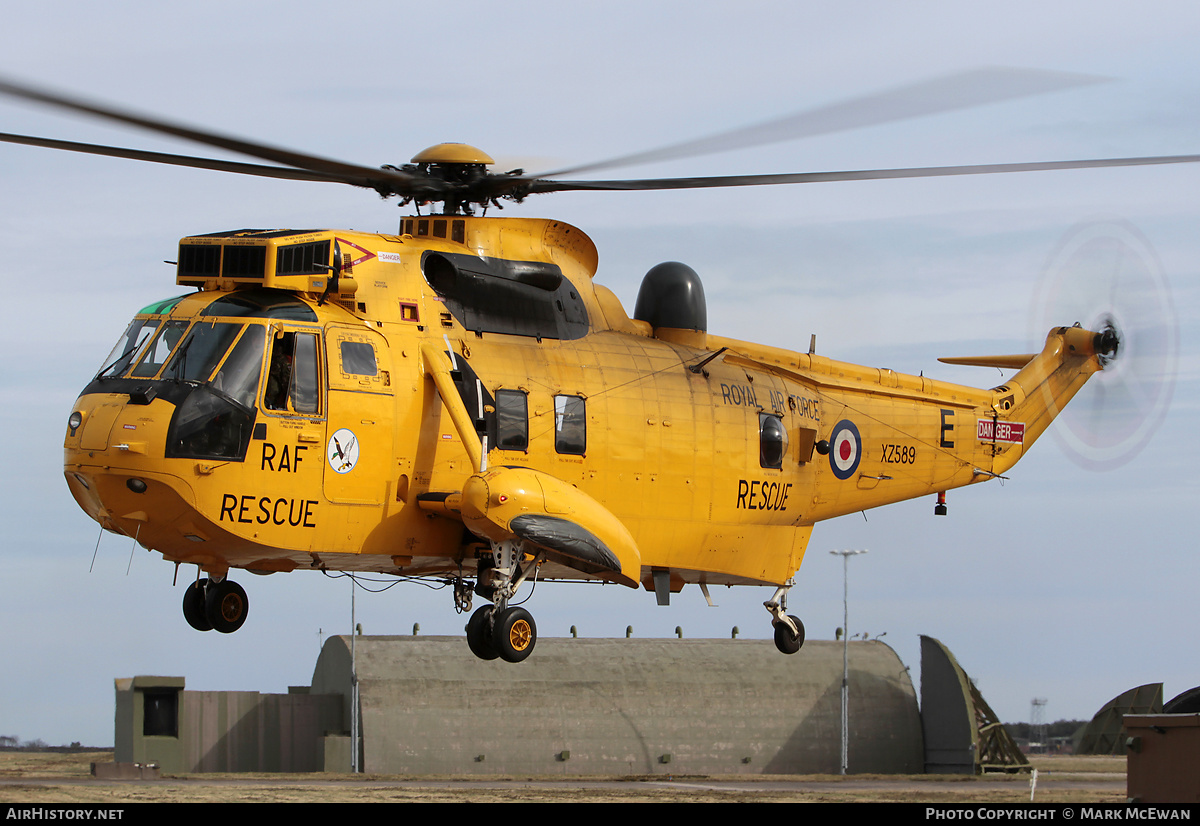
<point>396,451</point>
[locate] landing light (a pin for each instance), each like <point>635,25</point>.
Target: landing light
<point>135,485</point>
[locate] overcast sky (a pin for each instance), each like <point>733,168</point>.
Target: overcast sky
<point>1061,583</point>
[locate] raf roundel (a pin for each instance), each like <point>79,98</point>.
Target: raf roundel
<point>845,449</point>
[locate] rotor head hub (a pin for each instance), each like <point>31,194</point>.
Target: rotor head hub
<point>453,153</point>
<point>1108,341</point>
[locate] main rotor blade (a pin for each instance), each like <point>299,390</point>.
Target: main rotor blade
<point>929,97</point>
<point>177,160</point>
<point>349,173</point>
<point>853,175</point>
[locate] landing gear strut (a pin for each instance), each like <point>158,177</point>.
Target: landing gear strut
<point>220,605</point>
<point>498,631</point>
<point>789,630</point>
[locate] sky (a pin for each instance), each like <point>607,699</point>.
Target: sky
<point>1063,582</point>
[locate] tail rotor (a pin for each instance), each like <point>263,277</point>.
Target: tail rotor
<point>1106,276</point>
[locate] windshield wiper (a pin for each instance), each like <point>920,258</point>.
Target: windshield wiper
<point>117,361</point>
<point>179,364</point>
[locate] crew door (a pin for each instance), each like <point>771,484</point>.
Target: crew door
<point>359,460</point>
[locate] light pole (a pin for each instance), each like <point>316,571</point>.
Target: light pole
<point>354,630</point>
<point>845,555</point>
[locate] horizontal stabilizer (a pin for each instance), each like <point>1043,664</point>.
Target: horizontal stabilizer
<point>1004,362</point>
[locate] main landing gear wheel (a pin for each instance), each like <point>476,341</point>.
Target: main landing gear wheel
<point>193,606</point>
<point>226,606</point>
<point>479,634</point>
<point>787,641</point>
<point>514,634</point>
<point>509,634</point>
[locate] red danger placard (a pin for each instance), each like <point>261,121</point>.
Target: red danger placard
<point>991,430</point>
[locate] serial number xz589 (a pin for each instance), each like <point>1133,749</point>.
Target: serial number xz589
<point>899,454</point>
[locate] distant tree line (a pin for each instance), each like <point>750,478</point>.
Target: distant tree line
<point>1059,728</point>
<point>11,743</point>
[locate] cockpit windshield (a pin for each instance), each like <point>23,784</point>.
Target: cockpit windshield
<point>197,355</point>
<point>210,362</point>
<point>159,350</point>
<point>128,347</point>
<point>131,345</point>
<point>203,350</point>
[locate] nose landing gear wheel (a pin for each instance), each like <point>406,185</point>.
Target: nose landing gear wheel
<point>226,606</point>
<point>193,606</point>
<point>514,634</point>
<point>479,634</point>
<point>785,640</point>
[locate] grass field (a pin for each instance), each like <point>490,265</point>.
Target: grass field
<point>64,778</point>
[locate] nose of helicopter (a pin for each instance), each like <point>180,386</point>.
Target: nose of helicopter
<point>112,461</point>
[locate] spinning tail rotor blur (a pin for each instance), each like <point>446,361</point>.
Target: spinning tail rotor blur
<point>1106,276</point>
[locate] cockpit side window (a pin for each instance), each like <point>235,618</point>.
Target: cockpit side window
<point>215,417</point>
<point>305,395</point>
<point>293,380</point>
<point>279,377</point>
<point>238,376</point>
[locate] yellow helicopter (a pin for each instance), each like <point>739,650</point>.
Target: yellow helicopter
<point>459,400</point>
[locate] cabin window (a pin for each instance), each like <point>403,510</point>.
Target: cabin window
<point>570,425</point>
<point>358,358</point>
<point>772,441</point>
<point>293,378</point>
<point>512,420</point>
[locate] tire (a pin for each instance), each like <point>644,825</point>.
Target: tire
<point>785,640</point>
<point>226,606</point>
<point>193,606</point>
<point>479,634</point>
<point>514,634</point>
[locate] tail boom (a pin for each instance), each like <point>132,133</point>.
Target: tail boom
<point>1038,393</point>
